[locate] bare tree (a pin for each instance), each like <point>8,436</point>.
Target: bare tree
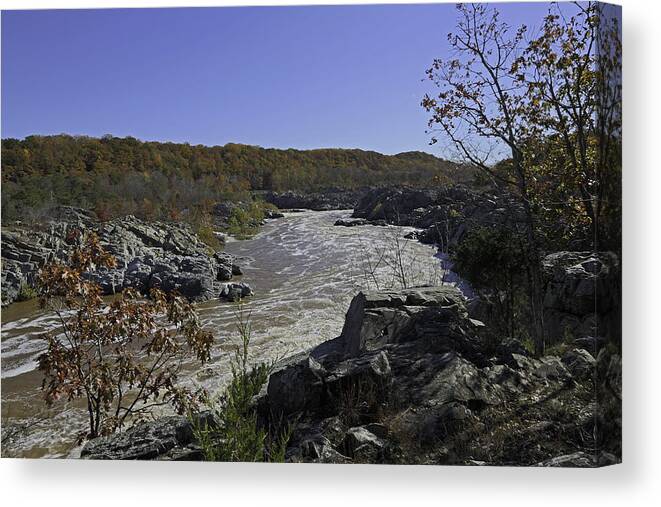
<point>483,110</point>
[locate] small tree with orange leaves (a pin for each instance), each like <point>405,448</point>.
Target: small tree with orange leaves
<point>123,358</point>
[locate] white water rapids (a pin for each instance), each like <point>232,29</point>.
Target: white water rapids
<point>304,272</point>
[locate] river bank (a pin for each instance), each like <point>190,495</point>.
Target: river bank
<point>463,383</point>
<point>304,272</point>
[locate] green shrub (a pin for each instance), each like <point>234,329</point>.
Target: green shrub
<point>245,222</point>
<point>208,236</point>
<point>26,292</point>
<point>235,434</point>
<point>491,260</point>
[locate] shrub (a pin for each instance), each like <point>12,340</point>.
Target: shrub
<point>123,358</point>
<point>491,259</point>
<point>26,292</point>
<point>244,222</point>
<point>208,236</point>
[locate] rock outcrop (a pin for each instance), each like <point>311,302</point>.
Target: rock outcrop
<point>410,380</point>
<point>582,298</point>
<point>331,199</point>
<point>149,254</point>
<point>168,438</point>
<point>444,214</point>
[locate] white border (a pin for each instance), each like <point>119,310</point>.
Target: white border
<point>636,482</point>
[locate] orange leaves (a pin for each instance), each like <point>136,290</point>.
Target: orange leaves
<point>123,357</point>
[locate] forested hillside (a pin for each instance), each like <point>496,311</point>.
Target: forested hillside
<point>116,176</point>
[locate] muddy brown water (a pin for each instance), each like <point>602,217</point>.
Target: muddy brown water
<point>304,272</point>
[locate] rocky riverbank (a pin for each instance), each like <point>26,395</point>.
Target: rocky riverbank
<point>149,254</point>
<point>582,294</point>
<point>331,199</point>
<point>444,214</point>
<point>413,379</point>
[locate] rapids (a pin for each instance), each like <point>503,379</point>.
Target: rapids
<point>304,272</point>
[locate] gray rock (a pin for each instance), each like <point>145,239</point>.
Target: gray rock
<point>318,201</point>
<point>581,460</point>
<point>296,387</point>
<point>360,436</point>
<point>235,291</point>
<point>149,254</point>
<point>576,460</point>
<point>593,344</point>
<point>342,222</point>
<point>307,386</point>
<point>580,363</point>
<point>582,295</point>
<point>444,214</point>
<point>272,215</point>
<point>150,440</point>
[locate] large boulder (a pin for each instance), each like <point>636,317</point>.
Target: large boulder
<point>235,291</point>
<point>582,295</point>
<point>436,315</point>
<point>306,385</point>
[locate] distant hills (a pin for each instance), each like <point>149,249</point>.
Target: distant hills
<point>126,175</point>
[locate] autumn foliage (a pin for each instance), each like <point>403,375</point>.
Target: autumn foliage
<point>123,358</point>
<point>539,114</point>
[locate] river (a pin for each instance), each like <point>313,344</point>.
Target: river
<point>304,272</point>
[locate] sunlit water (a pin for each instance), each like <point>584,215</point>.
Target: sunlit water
<point>304,272</point>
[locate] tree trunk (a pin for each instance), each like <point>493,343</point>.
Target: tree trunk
<point>533,258</point>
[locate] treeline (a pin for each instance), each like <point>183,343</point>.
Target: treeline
<point>116,176</point>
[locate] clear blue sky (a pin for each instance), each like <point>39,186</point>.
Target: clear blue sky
<point>300,77</point>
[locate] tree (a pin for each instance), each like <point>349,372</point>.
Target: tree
<point>123,358</point>
<point>482,109</point>
<point>572,72</point>
<point>549,108</point>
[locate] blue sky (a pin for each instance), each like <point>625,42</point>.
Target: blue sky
<point>300,77</point>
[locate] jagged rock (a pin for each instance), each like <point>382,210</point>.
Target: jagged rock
<point>432,396</point>
<point>580,363</point>
<point>406,382</point>
<point>577,459</point>
<point>444,214</point>
<point>436,314</point>
<point>393,204</point>
<point>342,222</point>
<point>148,440</point>
<point>272,215</point>
<point>362,444</point>
<point>582,295</point>
<point>149,254</point>
<point>318,201</point>
<point>296,386</point>
<point>510,346</point>
<point>306,385</point>
<point>593,344</point>
<point>235,291</point>
<point>582,460</point>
